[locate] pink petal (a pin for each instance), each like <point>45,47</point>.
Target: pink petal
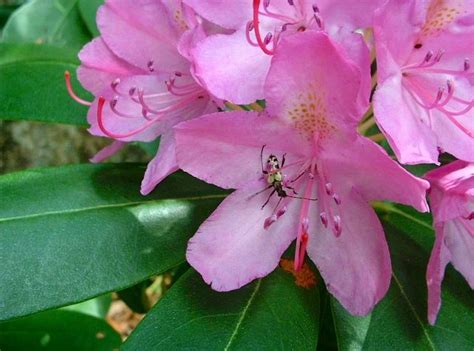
<point>139,31</point>
<point>374,174</point>
<point>451,138</point>
<point>99,67</point>
<point>440,257</point>
<point>108,151</point>
<point>350,14</point>
<point>298,81</point>
<point>356,265</point>
<point>356,50</point>
<point>231,14</point>
<point>459,240</point>
<point>224,148</point>
<point>399,118</point>
<point>189,40</point>
<point>396,27</point>
<point>231,68</point>
<point>162,165</point>
<point>231,248</point>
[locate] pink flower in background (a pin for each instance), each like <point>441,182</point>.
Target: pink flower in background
<point>425,96</point>
<point>301,172</point>
<point>452,203</point>
<point>234,66</point>
<point>140,71</point>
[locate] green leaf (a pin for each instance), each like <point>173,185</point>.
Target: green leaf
<point>88,10</point>
<point>5,13</point>
<point>269,314</point>
<point>58,330</point>
<point>97,307</point>
<point>70,233</point>
<point>399,321</point>
<point>33,85</point>
<point>55,22</point>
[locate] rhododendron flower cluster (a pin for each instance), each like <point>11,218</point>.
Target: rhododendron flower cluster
<point>273,99</point>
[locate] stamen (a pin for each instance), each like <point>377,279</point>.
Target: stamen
<point>150,66</point>
<point>439,55</point>
<point>258,36</point>
<point>269,221</point>
<point>428,56</point>
<point>72,94</point>
<point>324,219</point>
<point>303,245</point>
<point>268,38</point>
<point>113,107</point>
<point>318,20</point>
<point>337,229</point>
<point>247,33</point>
<point>337,199</point>
<point>328,188</point>
<point>281,211</point>
<point>467,64</point>
<point>100,122</point>
<point>305,224</point>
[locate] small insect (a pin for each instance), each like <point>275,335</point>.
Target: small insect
<point>275,179</point>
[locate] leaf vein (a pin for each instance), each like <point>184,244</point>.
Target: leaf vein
<point>117,205</point>
<point>243,314</point>
<point>412,308</point>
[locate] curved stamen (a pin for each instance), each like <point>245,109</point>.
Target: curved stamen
<point>100,122</point>
<point>72,94</point>
<point>248,29</point>
<point>256,25</point>
<point>447,113</point>
<point>171,108</point>
<point>302,237</point>
<point>113,107</point>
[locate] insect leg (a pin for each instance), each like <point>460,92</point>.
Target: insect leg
<point>292,189</point>
<point>278,204</point>
<point>283,159</point>
<point>298,177</point>
<point>261,160</point>
<point>259,192</point>
<point>268,199</point>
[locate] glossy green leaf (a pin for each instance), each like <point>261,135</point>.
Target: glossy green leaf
<point>269,314</point>
<point>5,12</point>
<point>399,321</point>
<point>58,330</point>
<point>88,11</point>
<point>33,85</point>
<point>96,307</point>
<point>55,22</point>
<point>70,233</point>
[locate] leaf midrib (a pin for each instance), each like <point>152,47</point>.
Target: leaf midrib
<point>116,205</point>
<point>242,315</point>
<point>24,62</point>
<point>412,308</point>
<point>63,20</point>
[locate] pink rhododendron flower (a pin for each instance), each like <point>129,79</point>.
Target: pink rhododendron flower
<point>452,203</point>
<point>425,96</point>
<point>301,172</point>
<point>141,73</point>
<point>234,66</point>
